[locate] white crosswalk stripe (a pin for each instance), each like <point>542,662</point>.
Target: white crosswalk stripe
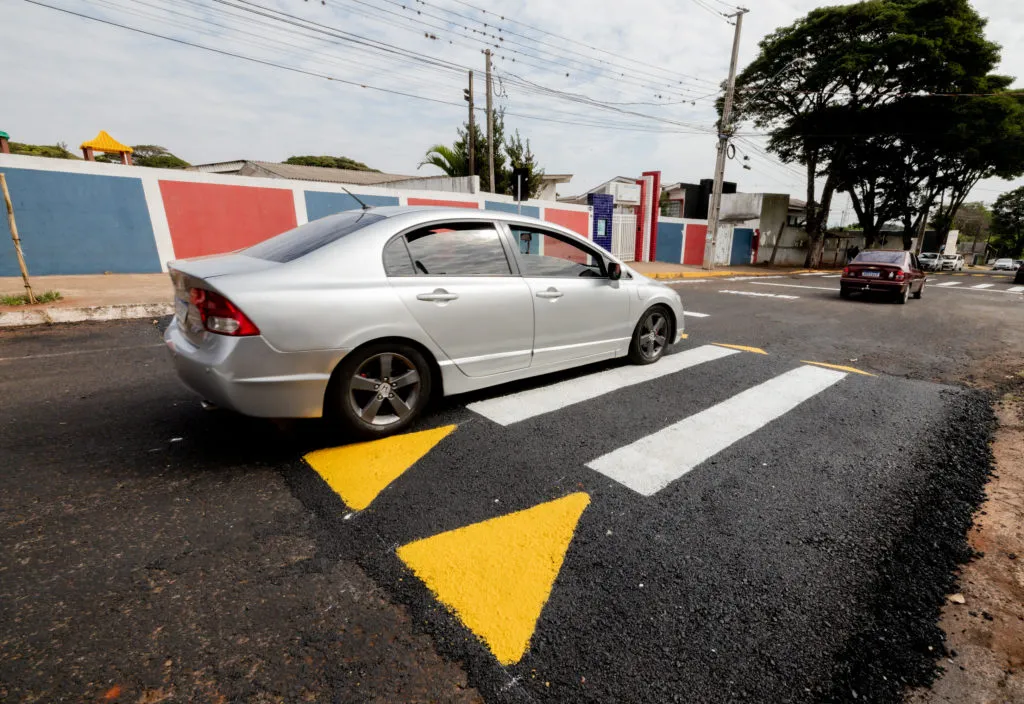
<point>983,286</point>
<point>513,408</point>
<point>1015,289</point>
<point>691,314</point>
<point>652,463</point>
<point>950,283</point>
<point>833,276</point>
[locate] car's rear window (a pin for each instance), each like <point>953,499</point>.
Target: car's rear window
<point>290,245</point>
<point>880,258</point>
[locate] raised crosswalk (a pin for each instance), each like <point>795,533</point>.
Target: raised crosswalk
<point>653,462</point>
<point>513,408</point>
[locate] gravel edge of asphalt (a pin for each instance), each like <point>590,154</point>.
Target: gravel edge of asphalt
<point>900,647</point>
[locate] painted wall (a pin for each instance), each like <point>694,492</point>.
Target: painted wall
<point>79,217</point>
<point>696,240</point>
<point>669,247</point>
<point>77,223</point>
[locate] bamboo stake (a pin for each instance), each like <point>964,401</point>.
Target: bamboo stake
<point>17,240</point>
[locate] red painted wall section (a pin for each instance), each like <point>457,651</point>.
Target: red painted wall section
<point>638,243</point>
<point>655,206</point>
<point>557,248</point>
<point>576,221</point>
<point>693,251</point>
<point>444,203</point>
<point>207,218</point>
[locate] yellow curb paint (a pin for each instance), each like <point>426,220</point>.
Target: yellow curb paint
<point>358,473</point>
<point>755,350</point>
<point>497,575</point>
<point>839,367</point>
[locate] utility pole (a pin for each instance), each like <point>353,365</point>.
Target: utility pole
<point>724,131</point>
<point>490,121</point>
<point>17,240</point>
<point>468,95</point>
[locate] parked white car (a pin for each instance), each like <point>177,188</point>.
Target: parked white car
<point>1004,265</point>
<point>930,261</point>
<point>952,262</point>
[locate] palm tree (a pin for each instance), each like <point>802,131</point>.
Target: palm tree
<point>447,159</point>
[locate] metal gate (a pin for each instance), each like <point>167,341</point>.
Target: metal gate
<point>624,236</point>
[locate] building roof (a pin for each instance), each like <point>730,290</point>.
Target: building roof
<point>103,142</point>
<point>270,169</point>
<point>557,178</point>
<point>4,135</point>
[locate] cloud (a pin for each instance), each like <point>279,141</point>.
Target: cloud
<point>74,77</point>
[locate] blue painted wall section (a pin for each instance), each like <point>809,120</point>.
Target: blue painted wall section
<point>78,224</point>
<point>742,246</point>
<point>670,242</point>
<point>320,204</point>
<point>530,211</point>
<point>603,205</point>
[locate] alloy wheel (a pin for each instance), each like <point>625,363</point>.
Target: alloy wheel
<point>384,389</point>
<point>653,334</point>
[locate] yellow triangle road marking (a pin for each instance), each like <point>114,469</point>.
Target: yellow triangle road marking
<point>496,575</point>
<point>741,348</point>
<point>358,473</point>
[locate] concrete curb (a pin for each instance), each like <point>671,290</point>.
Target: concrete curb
<point>58,314</point>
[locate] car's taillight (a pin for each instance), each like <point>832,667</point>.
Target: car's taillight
<point>898,276</point>
<point>846,271</point>
<point>220,315</point>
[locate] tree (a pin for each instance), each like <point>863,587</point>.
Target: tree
<point>858,95</point>
<point>57,151</point>
<point>1008,223</point>
<point>330,162</point>
<point>974,221</point>
<point>508,154</point>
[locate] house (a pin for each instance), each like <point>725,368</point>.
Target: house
<point>624,189</point>
<point>690,200</point>
<point>269,169</point>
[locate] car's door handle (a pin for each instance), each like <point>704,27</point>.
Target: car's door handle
<point>438,295</point>
<point>551,292</point>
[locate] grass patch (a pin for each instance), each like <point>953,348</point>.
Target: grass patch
<point>22,300</point>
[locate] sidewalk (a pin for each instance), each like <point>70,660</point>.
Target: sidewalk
<point>92,297</point>
<point>663,270</point>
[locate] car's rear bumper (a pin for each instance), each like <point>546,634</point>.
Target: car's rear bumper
<point>868,285</point>
<point>247,375</point>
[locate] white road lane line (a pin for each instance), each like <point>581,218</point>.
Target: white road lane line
<point>982,285</point>
<point>101,350</point>
<point>652,463</point>
<point>818,288</point>
<point>833,276</point>
<point>812,273</point>
<point>517,407</point>
<point>756,293</point>
<point>691,314</point>
<point>1015,289</point>
<point>950,283</point>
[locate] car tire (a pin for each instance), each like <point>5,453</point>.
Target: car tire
<point>356,403</point>
<point>844,292</point>
<point>903,296</point>
<point>917,294</point>
<point>645,347</point>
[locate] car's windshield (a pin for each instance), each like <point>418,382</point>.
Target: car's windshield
<point>880,257</point>
<point>310,237</point>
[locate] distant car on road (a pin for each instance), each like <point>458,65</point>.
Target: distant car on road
<point>930,261</point>
<point>892,272</point>
<point>1004,265</point>
<point>952,262</point>
<point>362,315</point>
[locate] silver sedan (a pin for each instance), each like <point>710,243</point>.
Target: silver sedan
<point>364,315</point>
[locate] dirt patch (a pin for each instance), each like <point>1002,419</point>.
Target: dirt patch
<point>985,634</point>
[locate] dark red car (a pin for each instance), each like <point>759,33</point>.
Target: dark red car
<point>887,271</point>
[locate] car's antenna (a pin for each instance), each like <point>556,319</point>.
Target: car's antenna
<point>364,205</point>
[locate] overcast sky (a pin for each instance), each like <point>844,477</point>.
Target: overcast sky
<point>67,78</point>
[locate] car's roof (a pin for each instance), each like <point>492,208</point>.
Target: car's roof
<point>429,211</point>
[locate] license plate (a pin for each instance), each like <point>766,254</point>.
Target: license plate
<point>872,274</point>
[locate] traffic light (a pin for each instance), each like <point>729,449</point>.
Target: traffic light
<point>466,96</point>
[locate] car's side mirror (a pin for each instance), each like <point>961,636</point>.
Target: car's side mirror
<point>614,271</point>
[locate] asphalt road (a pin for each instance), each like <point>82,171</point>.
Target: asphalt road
<point>741,525</point>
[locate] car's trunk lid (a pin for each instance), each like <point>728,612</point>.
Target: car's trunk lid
<point>201,272</point>
<point>878,272</point>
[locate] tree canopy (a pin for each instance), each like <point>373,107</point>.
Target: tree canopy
<point>56,151</point>
<point>891,101</point>
<point>330,162</point>
<point>1008,223</point>
<point>509,153</point>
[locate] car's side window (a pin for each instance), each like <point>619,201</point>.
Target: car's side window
<point>544,254</point>
<point>397,261</point>
<point>452,249</point>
